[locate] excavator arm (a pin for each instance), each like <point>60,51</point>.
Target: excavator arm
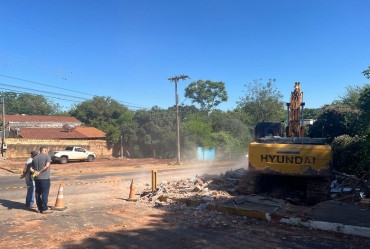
<point>295,107</point>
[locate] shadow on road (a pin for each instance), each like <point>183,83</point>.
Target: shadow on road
<point>11,204</point>
<point>168,231</point>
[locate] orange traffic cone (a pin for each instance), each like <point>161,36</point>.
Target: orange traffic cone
<point>132,192</point>
<point>59,204</point>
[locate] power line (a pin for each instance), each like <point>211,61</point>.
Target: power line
<point>39,91</point>
<point>57,70</point>
<point>38,83</point>
<point>42,84</point>
<point>53,97</point>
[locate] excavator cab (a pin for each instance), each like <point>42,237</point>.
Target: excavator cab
<point>268,130</point>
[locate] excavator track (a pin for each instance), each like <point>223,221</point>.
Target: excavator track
<point>317,190</point>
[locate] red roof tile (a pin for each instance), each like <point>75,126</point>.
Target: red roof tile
<point>59,133</point>
<point>91,132</point>
<point>34,118</point>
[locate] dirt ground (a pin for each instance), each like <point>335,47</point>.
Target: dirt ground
<point>100,163</point>
<point>99,217</point>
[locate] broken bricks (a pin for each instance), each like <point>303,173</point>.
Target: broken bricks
<point>365,202</point>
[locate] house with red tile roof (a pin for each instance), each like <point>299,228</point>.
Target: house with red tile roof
<point>25,133</point>
<point>49,127</point>
<point>39,121</point>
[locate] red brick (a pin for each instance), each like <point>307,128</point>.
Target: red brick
<point>365,202</point>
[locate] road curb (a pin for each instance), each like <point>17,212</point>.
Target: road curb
<point>320,225</point>
<point>273,218</point>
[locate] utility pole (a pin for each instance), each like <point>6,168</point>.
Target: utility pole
<point>121,147</point>
<point>176,79</point>
<point>3,144</point>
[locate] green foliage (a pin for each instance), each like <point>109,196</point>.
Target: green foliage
<point>350,97</point>
<point>335,121</point>
<point>62,113</point>
<point>198,130</point>
<point>113,133</point>
<point>364,106</point>
<point>346,126</point>
<point>233,123</point>
<point>311,113</point>
<point>228,143</point>
<point>138,151</point>
<point>366,72</point>
<point>185,111</point>
<point>351,155</point>
<point>262,102</point>
<point>99,111</point>
<point>29,104</point>
<point>129,131</point>
<point>103,113</point>
<point>207,94</point>
<point>156,132</point>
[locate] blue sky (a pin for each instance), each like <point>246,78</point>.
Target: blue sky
<point>129,49</point>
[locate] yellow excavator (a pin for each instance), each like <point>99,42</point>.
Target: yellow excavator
<point>288,157</point>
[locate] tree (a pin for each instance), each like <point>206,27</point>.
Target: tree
<point>230,131</point>
<point>364,106</point>
<point>366,72</point>
<point>185,111</point>
<point>350,97</point>
<point>351,155</point>
<point>30,104</point>
<point>98,111</point>
<point>198,130</point>
<point>207,94</point>
<point>311,113</point>
<point>103,113</point>
<point>335,121</point>
<point>262,102</point>
<point>156,132</point>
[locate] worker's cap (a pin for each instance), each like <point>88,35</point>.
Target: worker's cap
<point>34,153</point>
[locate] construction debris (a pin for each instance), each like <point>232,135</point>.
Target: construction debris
<point>349,187</point>
<point>223,190</point>
<point>365,202</point>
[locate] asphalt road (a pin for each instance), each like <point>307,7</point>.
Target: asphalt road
<point>13,181</point>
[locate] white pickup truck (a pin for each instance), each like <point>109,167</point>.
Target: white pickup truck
<point>72,153</point>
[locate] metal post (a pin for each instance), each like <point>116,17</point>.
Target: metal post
<point>3,144</point>
<point>121,147</point>
<point>154,180</point>
<point>302,111</point>
<point>287,129</point>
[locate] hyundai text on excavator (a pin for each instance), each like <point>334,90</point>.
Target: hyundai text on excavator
<point>288,157</point>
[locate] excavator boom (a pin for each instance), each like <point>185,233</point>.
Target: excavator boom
<point>295,113</point>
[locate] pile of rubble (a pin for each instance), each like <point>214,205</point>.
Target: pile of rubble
<point>209,188</point>
<point>350,188</point>
<point>223,190</point>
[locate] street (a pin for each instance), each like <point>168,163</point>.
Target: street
<point>98,216</point>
